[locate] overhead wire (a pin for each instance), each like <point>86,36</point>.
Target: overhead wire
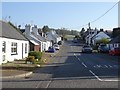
<point>101,15</point>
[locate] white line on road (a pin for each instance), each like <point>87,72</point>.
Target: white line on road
<point>38,84</point>
<point>48,84</point>
<point>94,75</point>
<point>106,66</point>
<point>104,80</point>
<point>84,65</point>
<point>107,80</point>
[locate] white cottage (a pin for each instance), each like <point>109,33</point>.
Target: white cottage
<point>32,32</point>
<point>99,36</point>
<point>52,36</point>
<point>13,44</point>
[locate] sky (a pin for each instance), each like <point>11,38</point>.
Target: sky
<point>70,15</point>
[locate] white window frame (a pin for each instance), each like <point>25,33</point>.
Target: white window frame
<point>13,48</point>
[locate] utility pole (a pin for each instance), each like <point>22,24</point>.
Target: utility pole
<point>89,28</point>
<point>89,40</point>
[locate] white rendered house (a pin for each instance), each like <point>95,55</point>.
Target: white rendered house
<point>13,44</point>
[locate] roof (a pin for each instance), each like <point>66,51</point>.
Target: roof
<point>102,35</point>
<point>8,31</point>
<point>32,39</point>
<point>115,40</point>
<point>35,43</point>
<point>39,37</point>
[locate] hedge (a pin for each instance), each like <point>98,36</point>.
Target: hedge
<point>37,55</point>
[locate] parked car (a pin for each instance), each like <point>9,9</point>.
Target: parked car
<point>114,51</point>
<point>56,46</point>
<point>75,41</point>
<point>51,49</point>
<point>103,48</point>
<point>87,49</point>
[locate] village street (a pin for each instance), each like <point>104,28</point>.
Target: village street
<point>72,69</point>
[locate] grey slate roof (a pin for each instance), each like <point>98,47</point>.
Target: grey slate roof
<point>31,37</point>
<point>115,40</point>
<point>39,37</point>
<point>9,31</point>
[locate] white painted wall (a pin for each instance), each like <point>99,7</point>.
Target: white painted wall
<point>58,39</point>
<point>48,44</point>
<point>8,55</point>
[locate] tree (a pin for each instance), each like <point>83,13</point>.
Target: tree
<point>45,29</point>
<point>82,34</point>
<point>103,41</point>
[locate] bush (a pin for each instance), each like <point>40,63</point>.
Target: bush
<point>30,59</point>
<point>37,55</point>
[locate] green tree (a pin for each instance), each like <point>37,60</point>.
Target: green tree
<point>103,41</point>
<point>82,34</point>
<point>45,29</point>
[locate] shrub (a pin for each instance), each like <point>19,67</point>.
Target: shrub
<point>37,55</point>
<point>30,59</point>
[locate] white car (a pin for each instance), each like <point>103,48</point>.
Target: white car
<point>56,46</point>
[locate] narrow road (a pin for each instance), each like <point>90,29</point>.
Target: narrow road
<point>72,69</point>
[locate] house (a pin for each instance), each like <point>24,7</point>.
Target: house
<point>45,42</point>
<point>91,34</point>
<point>52,36</point>
<point>115,42</point>
<point>99,36</point>
<point>95,35</point>
<point>13,44</point>
<point>37,42</point>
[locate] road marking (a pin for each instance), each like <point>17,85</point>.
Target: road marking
<point>98,66</point>
<point>106,66</point>
<point>110,66</point>
<point>48,84</point>
<point>105,80</point>
<point>38,84</point>
<point>84,65</point>
<point>102,80</point>
<point>94,75</point>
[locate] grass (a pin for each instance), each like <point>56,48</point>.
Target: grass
<point>69,36</point>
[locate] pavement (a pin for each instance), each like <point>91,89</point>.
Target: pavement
<point>13,73</point>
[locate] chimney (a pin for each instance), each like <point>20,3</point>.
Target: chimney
<point>27,29</point>
<point>35,30</point>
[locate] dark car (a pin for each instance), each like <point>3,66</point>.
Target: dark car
<point>114,51</point>
<point>87,49</point>
<point>51,49</point>
<point>103,48</point>
<point>75,41</point>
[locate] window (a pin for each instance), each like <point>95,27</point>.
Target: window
<point>26,48</point>
<point>3,46</point>
<point>13,48</point>
<point>3,58</point>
